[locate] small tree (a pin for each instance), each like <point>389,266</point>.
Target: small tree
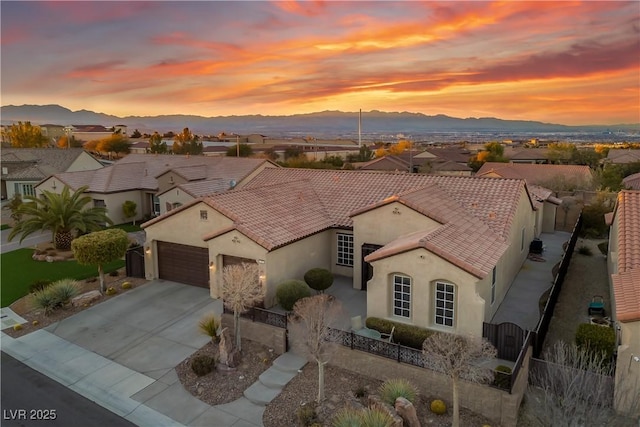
<point>312,320</point>
<point>99,248</point>
<point>244,150</point>
<point>157,145</point>
<point>459,357</point>
<point>25,135</point>
<point>241,290</point>
<point>129,210</point>
<point>319,279</point>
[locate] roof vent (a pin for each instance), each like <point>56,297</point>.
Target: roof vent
<point>232,183</point>
<point>492,215</point>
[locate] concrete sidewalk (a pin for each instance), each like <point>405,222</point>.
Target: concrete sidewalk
<point>520,305</point>
<point>121,354</point>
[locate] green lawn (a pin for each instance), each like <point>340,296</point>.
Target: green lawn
<point>128,227</point>
<point>19,271</point>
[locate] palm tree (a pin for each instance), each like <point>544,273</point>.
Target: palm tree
<point>63,214</point>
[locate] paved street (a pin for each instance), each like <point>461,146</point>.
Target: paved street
<point>28,395</point>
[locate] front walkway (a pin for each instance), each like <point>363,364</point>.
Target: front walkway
<point>521,304</point>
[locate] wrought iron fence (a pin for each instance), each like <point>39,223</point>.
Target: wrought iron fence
<point>261,315</point>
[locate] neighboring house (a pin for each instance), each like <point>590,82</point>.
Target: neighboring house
<point>431,250</point>
<point>424,162</point>
<point>53,132</point>
<point>632,182</point>
<point>555,177</point>
<point>94,132</point>
<point>527,155</point>
<point>24,168</point>
<point>624,267</point>
<point>622,156</point>
<point>147,178</point>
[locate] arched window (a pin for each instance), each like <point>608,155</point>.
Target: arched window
<point>445,299</point>
<point>401,295</point>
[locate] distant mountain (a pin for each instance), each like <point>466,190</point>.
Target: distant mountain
<point>326,122</point>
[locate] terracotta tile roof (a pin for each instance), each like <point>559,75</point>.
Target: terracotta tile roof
<point>273,215</point>
<point>526,153</point>
<point>388,163</point>
<point>536,174</point>
<point>627,212</point>
<point>632,182</point>
<point>626,290</point>
<point>463,239</point>
<point>623,156</point>
<point>139,171</point>
<point>39,163</point>
<point>626,283</point>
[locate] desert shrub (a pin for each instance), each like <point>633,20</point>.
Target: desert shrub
<point>111,291</point>
<point>114,273</point>
<point>502,376</point>
<point>307,415</point>
<point>598,340</point>
<point>319,279</point>
<point>44,300</point>
<point>63,290</point>
<point>374,417</point>
<point>38,285</point>
<point>585,250</point>
<point>209,325</point>
<point>391,389</point>
<point>438,407</point>
<point>17,327</point>
<point>290,291</point>
<point>203,364</point>
<point>347,417</point>
<point>407,335</point>
<point>126,285</point>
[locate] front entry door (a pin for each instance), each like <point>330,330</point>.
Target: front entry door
<point>367,269</point>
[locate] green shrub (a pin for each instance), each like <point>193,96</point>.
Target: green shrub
<point>63,290</point>
<point>45,300</point>
<point>598,340</point>
<point>347,417</point>
<point>374,417</point>
<point>318,279</point>
<point>203,364</point>
<point>585,250</point>
<point>406,335</point>
<point>438,407</point>
<point>209,325</point>
<point>126,285</point>
<point>391,389</point>
<point>307,415</point>
<point>502,377</point>
<point>290,291</point>
<point>111,291</point>
<point>38,285</point>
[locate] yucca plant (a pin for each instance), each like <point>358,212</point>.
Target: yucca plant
<point>347,417</point>
<point>391,389</point>
<point>374,417</point>
<point>210,325</point>
<point>45,300</point>
<point>65,289</point>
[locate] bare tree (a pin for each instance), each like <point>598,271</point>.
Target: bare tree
<point>460,358</point>
<point>310,331</point>
<point>241,290</point>
<point>573,387</point>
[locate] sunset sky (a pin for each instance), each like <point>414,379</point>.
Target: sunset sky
<point>568,62</point>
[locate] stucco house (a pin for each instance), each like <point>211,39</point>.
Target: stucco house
<point>575,177</point>
<point>632,182</point>
<point>24,168</point>
<point>431,250</point>
<point>156,183</point>
<point>424,162</point>
<point>624,267</point>
<point>622,156</point>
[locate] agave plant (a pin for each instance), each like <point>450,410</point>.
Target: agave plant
<point>63,214</point>
<point>63,290</point>
<point>391,389</point>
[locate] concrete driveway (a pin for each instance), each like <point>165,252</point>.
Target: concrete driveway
<point>149,329</point>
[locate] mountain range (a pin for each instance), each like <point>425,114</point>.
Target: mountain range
<point>336,123</point>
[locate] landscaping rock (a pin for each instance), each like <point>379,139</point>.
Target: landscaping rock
<point>376,403</point>
<point>86,298</point>
<point>407,411</point>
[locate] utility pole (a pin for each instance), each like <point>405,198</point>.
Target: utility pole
<point>237,145</point>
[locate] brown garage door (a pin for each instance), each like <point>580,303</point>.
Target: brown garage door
<point>183,264</point>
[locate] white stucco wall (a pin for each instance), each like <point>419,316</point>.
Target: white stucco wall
<point>173,196</point>
<point>425,268</point>
<point>84,162</point>
<point>549,217</point>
